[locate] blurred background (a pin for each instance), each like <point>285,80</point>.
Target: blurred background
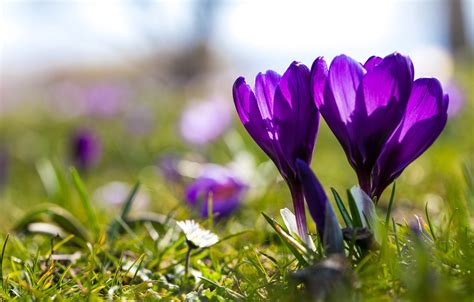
<point>128,90</point>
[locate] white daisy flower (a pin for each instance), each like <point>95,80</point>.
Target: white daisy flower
<point>196,235</point>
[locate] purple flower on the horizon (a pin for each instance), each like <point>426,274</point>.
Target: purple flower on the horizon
<point>280,115</point>
<point>204,121</point>
<point>168,167</point>
<point>457,97</point>
<point>382,118</point>
<point>86,149</point>
<point>218,183</point>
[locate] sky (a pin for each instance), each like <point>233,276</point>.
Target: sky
<point>41,34</point>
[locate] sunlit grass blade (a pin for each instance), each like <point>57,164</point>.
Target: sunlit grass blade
<point>297,248</point>
<point>127,205</point>
<point>1,259</point>
<point>355,214</point>
<point>60,216</point>
<point>390,203</point>
<point>79,185</point>
<point>342,208</point>
<point>428,220</point>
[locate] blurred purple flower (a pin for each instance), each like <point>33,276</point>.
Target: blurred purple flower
<point>219,183</point>
<point>115,193</point>
<point>139,120</point>
<point>417,226</point>
<point>168,166</point>
<point>457,98</point>
<point>86,149</point>
<point>100,99</point>
<point>204,121</point>
<point>282,118</point>
<point>382,118</point>
<point>105,99</point>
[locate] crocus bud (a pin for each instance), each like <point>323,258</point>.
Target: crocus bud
<point>86,149</point>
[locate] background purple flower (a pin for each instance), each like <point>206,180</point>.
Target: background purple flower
<point>86,149</point>
<point>380,116</point>
<point>204,121</point>
<point>225,188</point>
<point>280,115</point>
<point>457,98</point>
<point>102,99</point>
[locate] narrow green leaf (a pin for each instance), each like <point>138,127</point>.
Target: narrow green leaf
<point>342,208</point>
<point>356,219</point>
<point>91,217</point>
<point>127,205</point>
<point>1,259</point>
<point>390,203</point>
<point>298,249</point>
<point>429,222</point>
<point>60,216</point>
<point>396,238</point>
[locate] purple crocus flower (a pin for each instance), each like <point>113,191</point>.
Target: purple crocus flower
<point>204,121</point>
<point>282,118</point>
<point>86,149</point>
<point>457,98</point>
<point>321,210</point>
<point>382,118</point>
<point>219,183</point>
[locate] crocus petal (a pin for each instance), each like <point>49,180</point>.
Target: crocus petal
<point>372,62</point>
<point>425,118</point>
<point>386,83</point>
<point>249,113</point>
<point>265,86</point>
<point>327,105</point>
<point>295,114</point>
<point>344,77</point>
<point>321,210</point>
<point>380,105</point>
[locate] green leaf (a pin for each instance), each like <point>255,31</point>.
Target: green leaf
<point>342,208</point>
<point>356,219</point>
<point>79,185</point>
<point>1,259</point>
<point>127,205</point>
<point>57,214</point>
<point>429,222</point>
<point>297,248</point>
<point>390,203</point>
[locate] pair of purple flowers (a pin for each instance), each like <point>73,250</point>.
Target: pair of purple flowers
<point>382,117</point>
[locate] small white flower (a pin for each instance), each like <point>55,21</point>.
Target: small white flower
<point>196,235</point>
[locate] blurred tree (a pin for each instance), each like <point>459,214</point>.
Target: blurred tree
<point>457,24</point>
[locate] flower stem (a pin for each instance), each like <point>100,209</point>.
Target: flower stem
<point>298,204</point>
<point>186,265</point>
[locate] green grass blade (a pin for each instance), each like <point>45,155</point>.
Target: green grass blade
<point>129,201</point>
<point>79,185</point>
<point>428,219</point>
<point>1,259</point>
<point>342,208</point>
<point>127,206</point>
<point>298,249</point>
<point>356,219</point>
<point>390,203</point>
